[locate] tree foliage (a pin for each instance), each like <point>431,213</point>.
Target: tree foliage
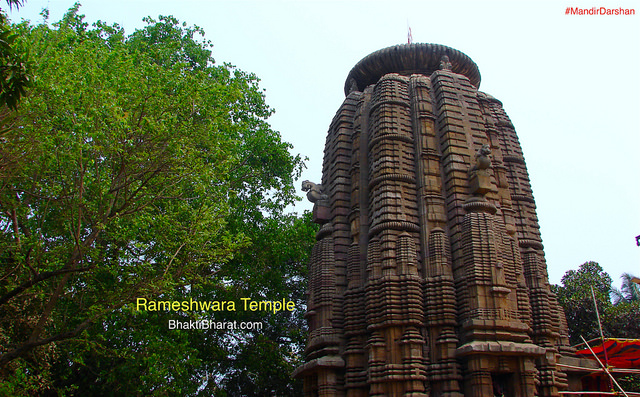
<point>620,318</point>
<point>261,364</point>
<point>207,362</point>
<point>136,167</point>
<point>14,75</point>
<point>628,292</point>
<point>576,298</point>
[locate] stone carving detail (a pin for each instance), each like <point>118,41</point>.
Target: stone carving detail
<point>428,276</point>
<point>480,174</point>
<point>444,63</point>
<point>483,161</point>
<point>314,191</point>
<point>321,208</point>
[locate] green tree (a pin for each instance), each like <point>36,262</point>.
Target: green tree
<point>260,364</point>
<point>628,292</point>
<point>577,300</point>
<point>14,76</point>
<point>124,174</point>
<point>619,320</point>
<point>207,362</point>
<point>623,317</point>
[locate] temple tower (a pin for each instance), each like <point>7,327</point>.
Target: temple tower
<point>428,276</point>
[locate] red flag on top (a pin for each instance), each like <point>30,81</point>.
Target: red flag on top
<point>409,37</point>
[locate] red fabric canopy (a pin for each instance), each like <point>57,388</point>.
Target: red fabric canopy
<point>621,353</point>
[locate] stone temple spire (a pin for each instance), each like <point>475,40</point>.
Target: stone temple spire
<point>428,277</point>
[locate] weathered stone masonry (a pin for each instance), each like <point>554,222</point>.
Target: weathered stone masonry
<point>428,276</point>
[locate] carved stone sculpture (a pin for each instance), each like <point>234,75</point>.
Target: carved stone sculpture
<point>480,175</point>
<point>314,191</point>
<point>444,63</point>
<point>483,161</point>
<point>428,276</point>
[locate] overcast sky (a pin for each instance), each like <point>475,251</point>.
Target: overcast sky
<point>570,84</point>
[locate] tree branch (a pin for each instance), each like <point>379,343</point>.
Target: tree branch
<point>26,347</point>
<point>38,278</point>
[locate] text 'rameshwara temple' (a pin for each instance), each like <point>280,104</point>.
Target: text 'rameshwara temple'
<point>428,277</point>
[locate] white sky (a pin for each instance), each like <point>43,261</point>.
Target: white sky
<point>570,84</point>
